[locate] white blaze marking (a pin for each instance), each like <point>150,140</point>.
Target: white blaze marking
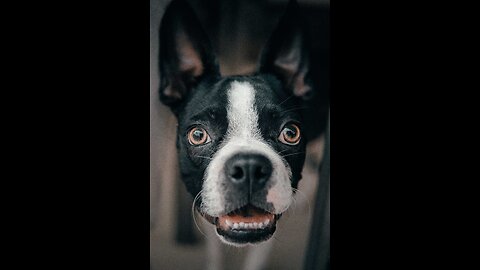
<point>241,113</point>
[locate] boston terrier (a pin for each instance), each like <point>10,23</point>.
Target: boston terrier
<point>240,139</point>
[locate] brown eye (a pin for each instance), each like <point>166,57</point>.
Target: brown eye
<point>198,136</point>
<point>290,134</point>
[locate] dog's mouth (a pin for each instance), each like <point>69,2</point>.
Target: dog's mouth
<point>248,224</point>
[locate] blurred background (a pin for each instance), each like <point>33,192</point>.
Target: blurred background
<point>238,30</point>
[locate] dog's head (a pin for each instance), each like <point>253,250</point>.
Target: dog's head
<point>240,140</point>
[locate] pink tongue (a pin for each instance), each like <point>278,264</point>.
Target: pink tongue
<point>248,214</point>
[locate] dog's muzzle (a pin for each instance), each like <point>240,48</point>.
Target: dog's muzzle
<point>246,179</point>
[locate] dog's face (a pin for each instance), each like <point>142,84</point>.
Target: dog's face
<point>240,139</point>
<point>242,150</point>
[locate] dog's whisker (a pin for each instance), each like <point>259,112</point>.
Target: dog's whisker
<point>193,214</point>
<point>292,207</point>
<point>293,109</point>
<point>295,205</point>
<point>291,210</point>
<point>298,153</point>
<point>204,157</point>
<point>297,191</point>
<point>286,99</point>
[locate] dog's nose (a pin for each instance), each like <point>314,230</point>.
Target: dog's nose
<point>249,169</point>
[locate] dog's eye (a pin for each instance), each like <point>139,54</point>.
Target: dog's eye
<point>198,136</point>
<point>290,134</point>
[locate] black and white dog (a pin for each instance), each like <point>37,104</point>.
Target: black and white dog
<point>240,140</point>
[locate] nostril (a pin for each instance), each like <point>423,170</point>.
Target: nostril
<point>260,173</point>
<point>237,173</point>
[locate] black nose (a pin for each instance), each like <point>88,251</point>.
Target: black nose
<point>251,170</point>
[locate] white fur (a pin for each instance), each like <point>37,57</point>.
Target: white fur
<point>243,135</point>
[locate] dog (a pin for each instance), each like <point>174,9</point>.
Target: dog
<point>240,139</point>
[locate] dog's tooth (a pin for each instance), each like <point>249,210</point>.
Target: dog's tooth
<point>265,223</point>
<point>255,225</point>
<point>241,225</point>
<point>235,225</point>
<point>229,223</point>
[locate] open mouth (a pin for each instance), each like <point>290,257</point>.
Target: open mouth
<point>248,224</point>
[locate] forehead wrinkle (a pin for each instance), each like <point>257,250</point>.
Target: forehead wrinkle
<point>204,114</point>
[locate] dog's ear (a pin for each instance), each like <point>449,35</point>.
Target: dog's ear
<point>286,54</point>
<point>185,53</point>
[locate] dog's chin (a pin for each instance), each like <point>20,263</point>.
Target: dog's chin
<point>245,225</point>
